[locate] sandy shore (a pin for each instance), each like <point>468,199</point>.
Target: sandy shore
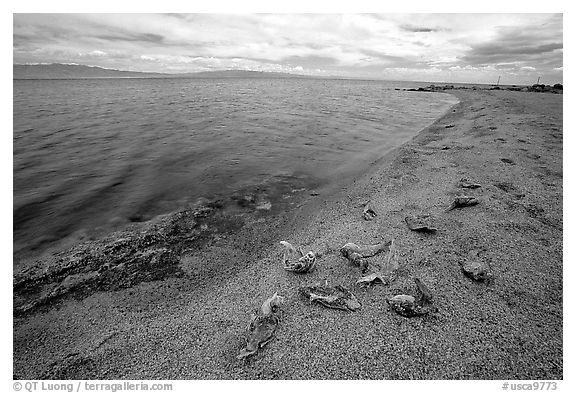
<point>190,324</point>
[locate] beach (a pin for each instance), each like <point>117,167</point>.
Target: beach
<point>182,311</point>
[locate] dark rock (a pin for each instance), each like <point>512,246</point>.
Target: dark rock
<point>120,260</point>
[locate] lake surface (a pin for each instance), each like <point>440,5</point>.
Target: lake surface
<point>100,153</point>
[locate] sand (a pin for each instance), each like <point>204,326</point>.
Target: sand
<point>191,325</point>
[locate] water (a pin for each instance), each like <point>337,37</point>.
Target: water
<point>95,153</point>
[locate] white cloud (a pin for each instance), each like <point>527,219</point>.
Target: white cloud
<point>351,44</point>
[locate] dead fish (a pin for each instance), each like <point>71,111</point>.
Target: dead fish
<point>419,224</point>
<point>425,296</point>
<point>352,251</point>
<point>373,278</point>
<point>272,304</point>
<point>357,253</point>
<point>262,326</point>
<point>386,271</point>
<point>289,251</point>
<point>305,263</point>
<point>475,268</point>
<point>463,201</point>
<point>391,261</point>
<point>465,183</point>
<point>411,306</point>
<point>260,331</point>
<point>336,297</point>
<point>368,214</point>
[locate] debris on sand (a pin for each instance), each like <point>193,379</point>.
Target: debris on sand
<point>260,331</point>
<point>380,272</point>
<point>305,263</point>
<point>372,278</point>
<point>262,326</point>
<point>476,268</point>
<point>465,183</point>
<point>368,213</point>
<point>353,251</point>
<point>357,254</point>
<point>336,297</point>
<point>463,201</point>
<point>410,306</point>
<point>420,224</point>
<point>272,304</point>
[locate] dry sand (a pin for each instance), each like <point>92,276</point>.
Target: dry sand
<point>191,326</point>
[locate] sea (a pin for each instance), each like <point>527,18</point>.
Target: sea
<point>94,155</point>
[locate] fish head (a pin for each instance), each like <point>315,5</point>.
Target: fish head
<point>276,301</point>
<point>402,301</point>
<point>352,304</point>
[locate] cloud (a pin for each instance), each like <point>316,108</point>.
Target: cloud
<point>418,29</point>
<point>497,52</point>
<point>144,37</point>
<point>525,46</point>
<point>367,45</point>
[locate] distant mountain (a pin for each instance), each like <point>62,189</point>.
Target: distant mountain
<point>73,71</point>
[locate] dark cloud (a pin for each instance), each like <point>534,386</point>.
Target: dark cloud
<point>145,37</point>
<point>39,35</point>
<point>419,29</point>
<point>24,40</point>
<point>537,45</point>
<point>497,53</point>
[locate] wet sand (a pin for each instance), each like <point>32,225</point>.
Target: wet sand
<point>190,323</point>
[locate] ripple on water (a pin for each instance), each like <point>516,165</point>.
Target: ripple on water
<point>171,141</point>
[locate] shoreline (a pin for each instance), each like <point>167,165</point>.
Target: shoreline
<point>190,325</point>
<point>52,213</point>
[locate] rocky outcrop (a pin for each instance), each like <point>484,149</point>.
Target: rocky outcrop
<point>121,260</point>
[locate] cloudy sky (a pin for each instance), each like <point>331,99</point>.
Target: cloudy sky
<point>473,48</point>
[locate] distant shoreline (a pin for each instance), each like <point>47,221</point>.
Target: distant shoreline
<point>76,72</point>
